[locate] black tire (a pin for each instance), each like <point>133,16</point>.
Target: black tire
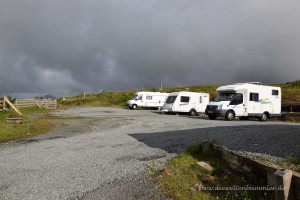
<point>212,117</point>
<point>264,117</point>
<point>192,112</point>
<point>134,107</point>
<point>243,118</point>
<point>230,115</point>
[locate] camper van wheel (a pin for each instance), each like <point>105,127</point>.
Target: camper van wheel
<point>192,112</point>
<point>134,107</point>
<point>212,117</point>
<point>264,117</point>
<point>229,116</point>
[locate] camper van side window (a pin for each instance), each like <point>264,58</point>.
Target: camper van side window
<point>275,92</point>
<point>140,98</point>
<point>254,97</point>
<point>184,99</point>
<point>200,99</point>
<point>149,97</point>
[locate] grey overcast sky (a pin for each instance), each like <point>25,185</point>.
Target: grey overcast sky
<point>64,47</point>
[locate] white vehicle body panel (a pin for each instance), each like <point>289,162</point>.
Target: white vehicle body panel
<point>185,102</point>
<point>148,99</point>
<point>251,100</point>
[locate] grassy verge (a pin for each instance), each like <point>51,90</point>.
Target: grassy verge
<point>29,126</point>
<point>292,163</point>
<point>182,177</point>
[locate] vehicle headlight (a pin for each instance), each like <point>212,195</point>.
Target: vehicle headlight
<point>219,107</point>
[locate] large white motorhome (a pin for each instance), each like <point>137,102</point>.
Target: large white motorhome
<point>245,100</point>
<point>186,102</point>
<point>148,100</point>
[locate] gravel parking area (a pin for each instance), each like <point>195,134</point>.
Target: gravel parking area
<point>105,153</point>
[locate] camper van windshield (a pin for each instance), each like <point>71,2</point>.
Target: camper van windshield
<point>171,99</point>
<point>224,97</point>
<point>135,96</point>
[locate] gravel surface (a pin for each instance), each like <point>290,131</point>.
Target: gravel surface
<point>106,153</point>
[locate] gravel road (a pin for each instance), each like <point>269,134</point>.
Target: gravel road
<point>105,153</point>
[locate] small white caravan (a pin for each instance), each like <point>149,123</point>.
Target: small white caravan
<point>245,100</point>
<point>148,100</point>
<point>186,102</point>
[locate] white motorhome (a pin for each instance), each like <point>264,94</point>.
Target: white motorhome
<point>245,100</point>
<point>147,100</point>
<point>186,102</point>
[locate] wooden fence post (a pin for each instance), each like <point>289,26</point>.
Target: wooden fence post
<point>36,103</point>
<point>2,104</point>
<point>12,105</point>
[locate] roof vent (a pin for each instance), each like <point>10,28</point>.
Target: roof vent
<point>254,83</point>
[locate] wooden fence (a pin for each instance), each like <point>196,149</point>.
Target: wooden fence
<point>290,107</point>
<point>1,104</point>
<point>46,103</point>
<point>24,103</point>
<point>50,104</point>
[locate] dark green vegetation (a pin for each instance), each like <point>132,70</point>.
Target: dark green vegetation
<point>110,99</point>
<point>182,177</point>
<point>30,126</point>
<point>290,92</point>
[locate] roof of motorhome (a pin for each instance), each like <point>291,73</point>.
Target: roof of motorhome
<point>185,92</point>
<point>241,86</point>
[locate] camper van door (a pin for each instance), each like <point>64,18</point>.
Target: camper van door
<point>139,100</point>
<point>184,103</point>
<point>200,103</point>
<point>150,100</point>
<point>237,104</point>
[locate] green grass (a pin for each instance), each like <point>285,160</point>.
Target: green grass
<point>183,172</point>
<point>111,99</point>
<point>29,126</point>
<point>290,91</point>
<point>292,163</point>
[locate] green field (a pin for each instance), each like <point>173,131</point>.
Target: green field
<point>29,126</point>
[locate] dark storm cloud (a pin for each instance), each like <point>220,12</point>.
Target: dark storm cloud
<point>66,47</point>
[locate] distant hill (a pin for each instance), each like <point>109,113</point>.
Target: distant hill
<point>47,96</point>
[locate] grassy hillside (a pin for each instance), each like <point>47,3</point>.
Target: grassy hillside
<point>290,94</point>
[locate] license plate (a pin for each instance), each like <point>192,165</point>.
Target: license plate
<point>210,112</point>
